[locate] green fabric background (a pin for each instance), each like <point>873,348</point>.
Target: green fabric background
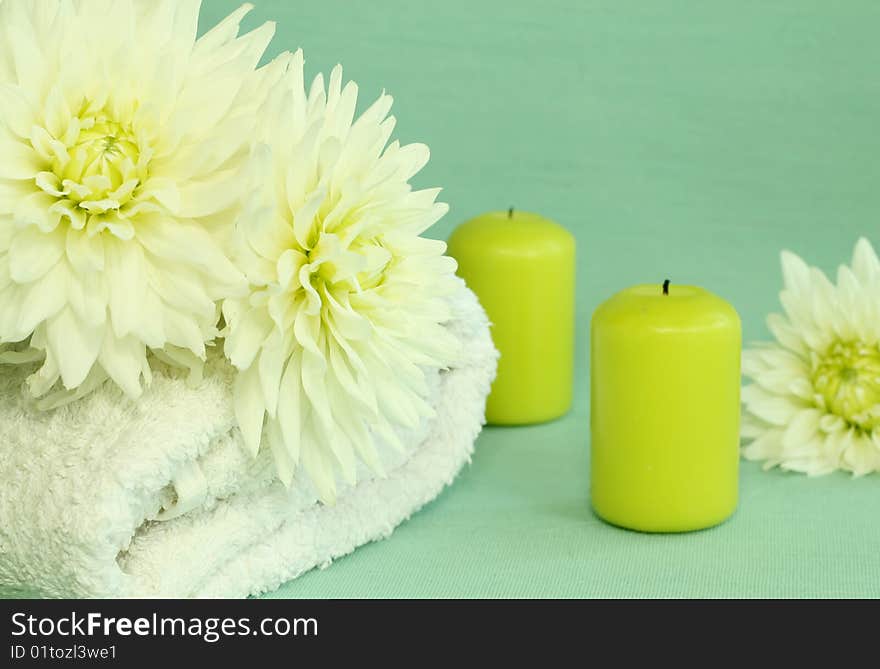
<point>692,140</point>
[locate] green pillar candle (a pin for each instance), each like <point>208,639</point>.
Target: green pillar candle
<point>522,267</point>
<point>665,377</point>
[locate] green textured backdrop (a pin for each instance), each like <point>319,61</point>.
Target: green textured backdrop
<point>692,140</point>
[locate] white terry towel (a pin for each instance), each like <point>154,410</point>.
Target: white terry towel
<point>108,498</point>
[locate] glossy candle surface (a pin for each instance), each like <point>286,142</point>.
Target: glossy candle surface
<point>522,267</point>
<point>665,379</point>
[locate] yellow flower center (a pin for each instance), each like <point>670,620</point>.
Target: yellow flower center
<point>104,156</point>
<point>96,166</point>
<point>847,379</point>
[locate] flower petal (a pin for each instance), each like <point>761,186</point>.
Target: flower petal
<point>246,338</point>
<point>74,346</point>
<point>865,264</point>
<point>249,408</point>
<point>124,360</point>
<point>19,160</point>
<point>15,110</point>
<point>290,408</point>
<point>45,297</point>
<point>33,253</point>
<point>775,409</point>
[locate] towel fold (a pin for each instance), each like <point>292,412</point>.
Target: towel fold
<point>109,498</point>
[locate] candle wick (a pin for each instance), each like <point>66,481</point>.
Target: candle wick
<point>510,213</point>
<point>666,287</point>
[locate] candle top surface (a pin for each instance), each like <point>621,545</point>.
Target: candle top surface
<point>519,232</point>
<point>684,307</point>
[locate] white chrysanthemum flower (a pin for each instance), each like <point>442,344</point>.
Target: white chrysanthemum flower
<point>347,301</point>
<point>814,406</point>
<point>122,140</point>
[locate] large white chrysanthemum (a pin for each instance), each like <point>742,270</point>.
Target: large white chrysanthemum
<point>814,404</point>
<point>347,301</point>
<point>122,141</point>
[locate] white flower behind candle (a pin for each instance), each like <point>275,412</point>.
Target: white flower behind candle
<point>814,402</point>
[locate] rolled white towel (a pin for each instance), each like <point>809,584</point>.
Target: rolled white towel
<point>109,498</point>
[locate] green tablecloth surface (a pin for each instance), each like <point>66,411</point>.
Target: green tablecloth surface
<point>689,140</point>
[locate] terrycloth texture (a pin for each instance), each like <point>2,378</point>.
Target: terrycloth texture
<point>83,486</point>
